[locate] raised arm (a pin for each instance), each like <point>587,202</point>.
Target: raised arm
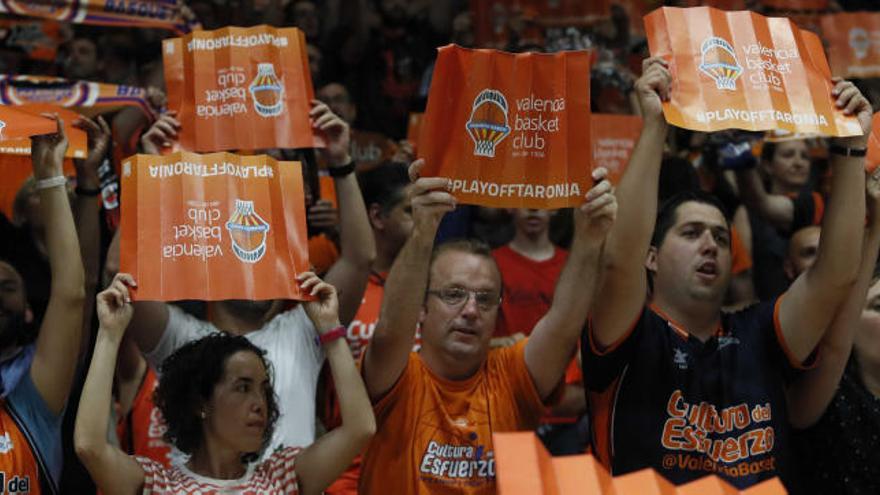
<point>625,283</point>
<point>555,337</point>
<point>86,213</point>
<point>387,354</point>
<point>811,393</point>
<point>357,247</point>
<point>323,461</point>
<point>111,469</point>
<point>57,349</point>
<point>808,306</point>
<point>775,208</point>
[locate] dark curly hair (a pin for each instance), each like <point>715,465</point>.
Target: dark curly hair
<point>187,381</point>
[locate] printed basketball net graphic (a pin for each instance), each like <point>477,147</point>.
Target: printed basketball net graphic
<point>488,123</point>
<point>267,91</point>
<point>248,232</point>
<point>859,42</point>
<point>719,62</point>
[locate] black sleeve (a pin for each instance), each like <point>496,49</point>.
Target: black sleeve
<point>601,368</point>
<point>804,210</point>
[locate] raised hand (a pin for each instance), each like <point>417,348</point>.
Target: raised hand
<point>430,199</point>
<point>336,130</point>
<point>162,134</point>
<point>848,98</point>
<point>323,216</point>
<point>594,218</point>
<point>47,150</point>
<point>324,312</point>
<point>100,138</point>
<point>653,88</point>
<point>114,305</point>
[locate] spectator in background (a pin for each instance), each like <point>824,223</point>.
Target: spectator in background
<point>82,58</point>
<point>217,396</point>
<point>386,195</point>
<point>837,403</point>
<point>784,205</point>
<point>802,250</point>
<point>304,15</point>
<point>38,366</point>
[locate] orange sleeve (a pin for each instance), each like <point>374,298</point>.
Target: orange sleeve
<point>819,209</point>
<point>739,254</point>
<point>525,395</point>
<point>322,253</point>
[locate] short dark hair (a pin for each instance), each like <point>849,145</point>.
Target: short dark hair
<point>666,214</point>
<point>383,185</point>
<point>188,377</point>
<point>468,245</point>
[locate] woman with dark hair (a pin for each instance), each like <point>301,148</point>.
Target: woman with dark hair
<point>217,399</point>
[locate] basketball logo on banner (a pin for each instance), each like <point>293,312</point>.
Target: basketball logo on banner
<point>488,123</point>
<point>860,42</point>
<point>267,91</point>
<point>719,62</point>
<point>247,230</point>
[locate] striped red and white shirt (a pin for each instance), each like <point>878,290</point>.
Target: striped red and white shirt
<point>275,475</point>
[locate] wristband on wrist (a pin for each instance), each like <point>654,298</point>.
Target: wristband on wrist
<point>337,172</point>
<point>82,191</point>
<point>842,151</point>
<point>331,335</point>
<point>58,180</point>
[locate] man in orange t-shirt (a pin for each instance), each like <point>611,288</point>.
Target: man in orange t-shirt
<point>436,410</point>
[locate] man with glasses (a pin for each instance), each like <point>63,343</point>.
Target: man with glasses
<point>436,410</point>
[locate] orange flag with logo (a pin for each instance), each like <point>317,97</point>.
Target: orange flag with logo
<point>241,88</point>
<point>211,227</point>
<point>614,137</point>
<point>510,130</point>
<point>15,124</point>
<point>853,43</point>
<point>77,146</point>
<point>745,71</point>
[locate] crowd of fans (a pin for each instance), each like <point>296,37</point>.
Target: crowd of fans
<point>726,274</point>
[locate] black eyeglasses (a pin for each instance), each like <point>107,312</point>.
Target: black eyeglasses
<point>456,296</point>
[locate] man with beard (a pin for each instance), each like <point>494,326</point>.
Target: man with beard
<point>37,367</point>
<point>284,332</point>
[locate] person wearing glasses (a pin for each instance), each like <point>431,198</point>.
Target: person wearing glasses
<point>436,410</point>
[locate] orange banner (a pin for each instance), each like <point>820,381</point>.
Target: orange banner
<point>369,149</point>
<point>17,125</point>
<point>164,14</point>
<point>525,467</point>
<point>614,137</point>
<point>15,169</point>
<point>77,139</point>
<point>87,98</point>
<point>508,129</point>
<point>229,226</point>
<point>241,88</point>
<point>853,43</point>
<point>745,71</point>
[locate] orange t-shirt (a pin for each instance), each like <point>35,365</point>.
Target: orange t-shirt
<point>19,466</point>
<point>435,435</point>
<point>141,431</point>
<point>740,259</point>
<point>361,328</point>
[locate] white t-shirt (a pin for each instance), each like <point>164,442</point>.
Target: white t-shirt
<point>289,342</point>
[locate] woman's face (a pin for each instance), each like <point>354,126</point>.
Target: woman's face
<point>867,341</point>
<point>237,414</point>
<point>790,166</point>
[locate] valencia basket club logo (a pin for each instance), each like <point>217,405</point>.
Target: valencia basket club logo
<point>719,62</point>
<point>860,42</point>
<point>266,91</point>
<point>488,123</point>
<point>248,232</point>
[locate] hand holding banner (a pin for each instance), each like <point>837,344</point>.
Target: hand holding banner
<point>241,88</point>
<point>229,227</point>
<point>745,71</point>
<point>77,140</point>
<point>509,130</point>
